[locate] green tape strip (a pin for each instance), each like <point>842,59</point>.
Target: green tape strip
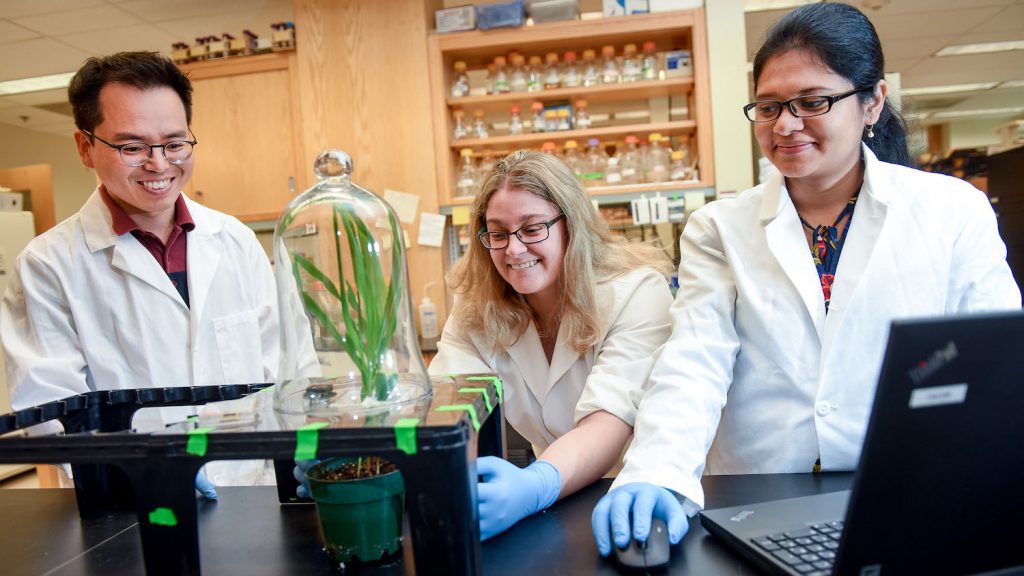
<point>467,407</point>
<point>405,434</point>
<point>163,517</point>
<point>307,439</point>
<point>197,441</point>
<point>482,392</point>
<point>497,385</point>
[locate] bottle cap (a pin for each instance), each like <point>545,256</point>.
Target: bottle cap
<point>588,54</point>
<point>649,46</point>
<point>677,155</point>
<point>563,112</point>
<point>537,106</point>
<point>466,152</point>
<point>460,66</point>
<point>571,145</point>
<point>629,49</point>
<point>552,57</point>
<point>570,56</point>
<point>581,103</point>
<point>656,137</point>
<point>514,109</point>
<point>534,60</point>
<point>608,50</point>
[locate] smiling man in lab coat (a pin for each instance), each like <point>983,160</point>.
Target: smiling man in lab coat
<point>142,287</point>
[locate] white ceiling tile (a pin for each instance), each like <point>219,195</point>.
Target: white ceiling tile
<point>921,6</point>
<point>932,22</point>
<point>982,36</point>
<point>41,97</point>
<point>258,21</point>
<point>965,69</point>
<point>30,58</point>
<point>127,39</point>
<point>10,32</point>
<point>29,117</point>
<point>919,47</point>
<point>18,8</point>
<point>1010,19</point>
<point>72,21</point>
<point>60,129</point>
<point>998,98</point>
<point>901,65</point>
<point>162,11</point>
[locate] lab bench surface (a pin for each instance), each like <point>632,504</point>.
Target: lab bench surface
<point>248,532</point>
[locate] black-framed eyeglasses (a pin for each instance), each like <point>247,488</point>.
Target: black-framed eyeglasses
<point>138,153</point>
<point>529,234</point>
<point>801,106</point>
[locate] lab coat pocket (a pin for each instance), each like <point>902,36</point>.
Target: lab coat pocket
<point>238,345</point>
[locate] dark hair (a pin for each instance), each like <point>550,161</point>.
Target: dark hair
<point>842,38</point>
<point>139,69</point>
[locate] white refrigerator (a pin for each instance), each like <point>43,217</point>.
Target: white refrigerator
<point>16,229</point>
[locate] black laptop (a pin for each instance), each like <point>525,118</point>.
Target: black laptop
<point>940,484</point>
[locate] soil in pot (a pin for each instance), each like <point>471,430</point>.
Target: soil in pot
<point>360,503</point>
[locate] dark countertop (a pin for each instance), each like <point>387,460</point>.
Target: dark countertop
<point>248,532</point>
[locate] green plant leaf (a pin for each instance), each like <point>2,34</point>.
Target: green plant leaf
<point>311,269</point>
<point>314,308</point>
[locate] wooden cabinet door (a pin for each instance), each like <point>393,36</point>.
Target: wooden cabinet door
<point>246,152</point>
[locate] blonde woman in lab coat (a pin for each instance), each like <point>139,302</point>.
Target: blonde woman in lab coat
<point>777,342</point>
<point>567,315</point>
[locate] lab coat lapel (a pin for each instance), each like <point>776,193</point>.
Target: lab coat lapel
<point>562,360</point>
<point>203,257</point>
<point>865,228</point>
<point>785,237</point>
<point>129,255</point>
<point>528,354</point>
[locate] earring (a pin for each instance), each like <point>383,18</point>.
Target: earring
<point>871,131</point>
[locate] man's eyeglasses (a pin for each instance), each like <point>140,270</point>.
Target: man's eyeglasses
<point>801,106</point>
<point>138,153</point>
<point>529,234</point>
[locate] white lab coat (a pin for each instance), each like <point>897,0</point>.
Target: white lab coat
<point>88,310</point>
<point>753,355</point>
<point>544,402</point>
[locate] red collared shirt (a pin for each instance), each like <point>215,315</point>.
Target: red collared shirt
<point>172,256</point>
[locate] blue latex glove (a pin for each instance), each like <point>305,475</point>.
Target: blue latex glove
<point>299,473</point>
<point>509,493</point>
<point>205,487</point>
<point>646,502</point>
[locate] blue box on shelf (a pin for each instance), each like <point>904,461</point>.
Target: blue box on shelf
<point>500,15</point>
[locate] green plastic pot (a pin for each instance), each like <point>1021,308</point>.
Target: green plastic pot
<point>360,519</point>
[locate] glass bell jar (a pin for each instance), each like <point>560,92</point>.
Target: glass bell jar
<point>349,348</point>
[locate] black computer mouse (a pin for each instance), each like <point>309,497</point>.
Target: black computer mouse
<point>650,555</point>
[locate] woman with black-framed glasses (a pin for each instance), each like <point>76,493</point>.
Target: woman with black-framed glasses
<point>567,315</point>
<point>788,290</point>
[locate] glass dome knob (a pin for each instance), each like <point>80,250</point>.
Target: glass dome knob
<point>332,163</point>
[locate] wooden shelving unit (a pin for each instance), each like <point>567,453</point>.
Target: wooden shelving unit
<point>669,31</point>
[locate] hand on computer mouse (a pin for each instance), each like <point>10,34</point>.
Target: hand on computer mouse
<point>642,502</point>
<point>650,555</point>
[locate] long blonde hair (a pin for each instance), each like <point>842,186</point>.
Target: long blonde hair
<point>489,306</point>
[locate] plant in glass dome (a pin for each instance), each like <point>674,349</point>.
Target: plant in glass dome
<point>349,344</point>
<point>349,350</point>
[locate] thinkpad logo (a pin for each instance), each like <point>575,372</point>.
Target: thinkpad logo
<point>742,516</point>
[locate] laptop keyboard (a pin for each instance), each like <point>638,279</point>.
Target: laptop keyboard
<point>810,551</point>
